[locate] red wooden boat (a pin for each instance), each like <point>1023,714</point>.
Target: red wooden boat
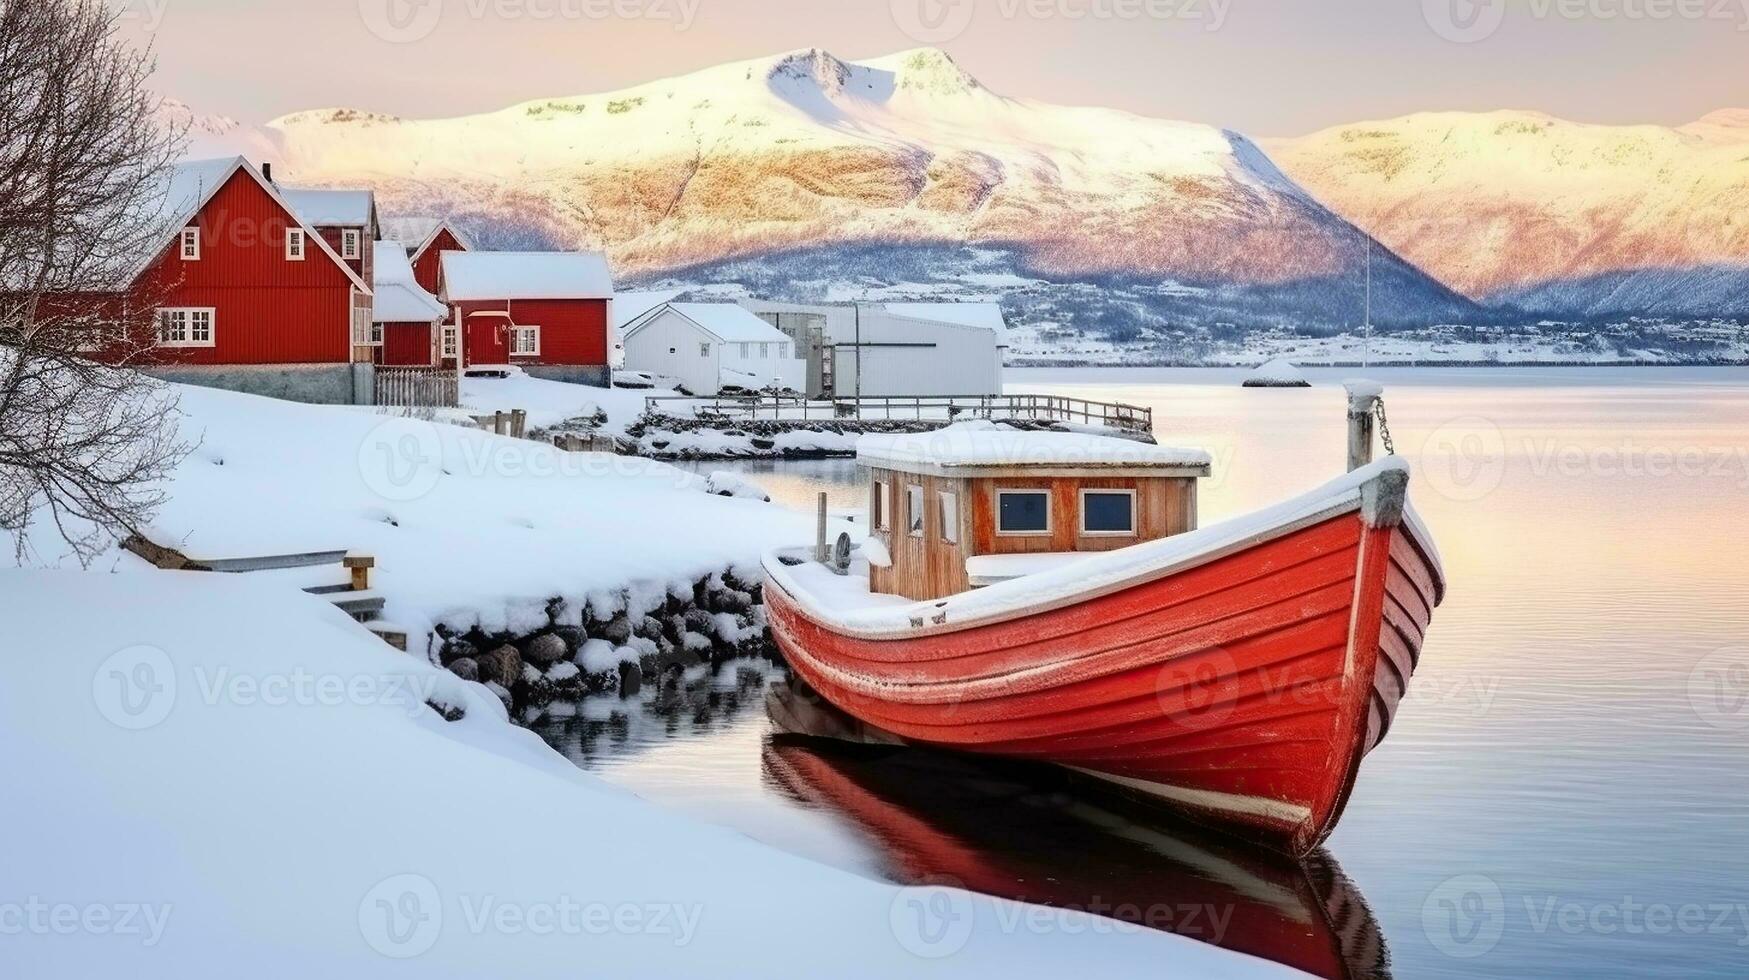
<point>1238,673</point>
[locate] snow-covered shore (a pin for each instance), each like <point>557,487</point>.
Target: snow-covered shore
<point>467,528</point>
<point>213,775</point>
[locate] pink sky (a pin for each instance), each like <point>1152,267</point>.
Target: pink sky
<point>1265,67</point>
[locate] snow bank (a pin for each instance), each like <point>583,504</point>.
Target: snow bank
<point>466,527</point>
<point>1277,374</point>
<point>981,444</point>
<point>553,403</point>
<point>224,773</point>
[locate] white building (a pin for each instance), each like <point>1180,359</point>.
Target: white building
<point>709,346</point>
<point>899,349</point>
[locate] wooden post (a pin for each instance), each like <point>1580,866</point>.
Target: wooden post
<point>360,567</point>
<point>518,423</point>
<point>820,553</point>
<point>1363,396</point>
<point>500,423</point>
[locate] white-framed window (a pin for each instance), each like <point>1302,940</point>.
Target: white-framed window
<point>191,244</point>
<point>744,347</point>
<point>185,326</point>
<point>949,504</point>
<point>447,344</point>
<point>880,511</point>
<point>294,244</point>
<point>914,510</point>
<point>704,350</point>
<point>783,351</point>
<point>525,341</point>
<point>349,243</point>
<point>1023,512</point>
<point>1108,513</point>
<point>365,332</point>
<point>764,350</point>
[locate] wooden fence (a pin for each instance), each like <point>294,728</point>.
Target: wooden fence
<point>406,387</point>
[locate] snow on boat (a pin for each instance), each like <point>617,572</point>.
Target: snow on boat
<point>1047,596</point>
<point>1279,373</point>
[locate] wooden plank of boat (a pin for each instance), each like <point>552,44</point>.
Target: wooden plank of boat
<point>1238,674</point>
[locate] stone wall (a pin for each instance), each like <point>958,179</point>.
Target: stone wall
<point>319,384</point>
<point>618,642</point>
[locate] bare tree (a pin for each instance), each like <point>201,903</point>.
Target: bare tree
<point>85,158</point>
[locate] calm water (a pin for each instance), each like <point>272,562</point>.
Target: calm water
<point>1566,791</point>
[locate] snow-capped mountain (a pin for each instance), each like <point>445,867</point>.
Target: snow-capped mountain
<point>816,163</point>
<point>1561,218</point>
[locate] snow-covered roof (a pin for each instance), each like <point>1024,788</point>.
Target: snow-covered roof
<point>420,231</point>
<point>399,299</point>
<point>973,446</point>
<point>730,323</point>
<point>331,208</point>
<point>1278,373</point>
<point>186,188</point>
<point>525,275</point>
<point>630,306</point>
<point>984,316</point>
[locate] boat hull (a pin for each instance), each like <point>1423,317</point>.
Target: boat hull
<point>1243,688</point>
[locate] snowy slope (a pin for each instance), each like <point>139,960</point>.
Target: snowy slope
<point>466,527</point>
<point>214,773</point>
<point>802,155</point>
<point>1568,218</point>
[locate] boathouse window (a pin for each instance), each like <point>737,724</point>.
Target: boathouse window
<point>1108,512</point>
<point>950,516</point>
<point>349,243</point>
<point>914,510</point>
<point>191,244</point>
<point>525,341</point>
<point>878,507</point>
<point>1023,512</point>
<point>294,244</point>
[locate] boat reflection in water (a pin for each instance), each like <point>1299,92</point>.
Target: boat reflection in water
<point>1013,830</point>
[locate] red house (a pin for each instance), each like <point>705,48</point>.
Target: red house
<point>346,220</point>
<point>249,296</point>
<point>545,312</point>
<point>406,317</point>
<point>426,256</point>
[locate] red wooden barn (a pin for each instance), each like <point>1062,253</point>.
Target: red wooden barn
<point>248,295</point>
<point>407,316</point>
<point>545,312</point>
<point>443,237</point>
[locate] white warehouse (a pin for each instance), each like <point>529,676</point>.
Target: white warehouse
<point>878,350</point>
<point>710,346</point>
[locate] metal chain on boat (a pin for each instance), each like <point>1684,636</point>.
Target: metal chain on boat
<point>1378,408</point>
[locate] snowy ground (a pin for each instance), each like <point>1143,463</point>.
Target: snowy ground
<point>549,403</point>
<point>212,776</point>
<point>466,527</point>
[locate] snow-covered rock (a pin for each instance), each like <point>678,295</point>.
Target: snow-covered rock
<point>1277,374</point>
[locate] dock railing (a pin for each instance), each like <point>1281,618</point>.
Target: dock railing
<point>1039,408</point>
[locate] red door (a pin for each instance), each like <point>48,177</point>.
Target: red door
<point>488,340</point>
